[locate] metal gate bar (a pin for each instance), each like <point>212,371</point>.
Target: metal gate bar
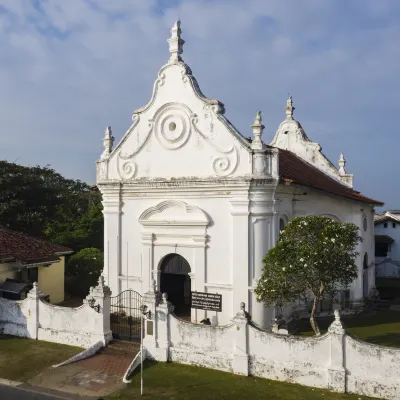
<point>125,318</point>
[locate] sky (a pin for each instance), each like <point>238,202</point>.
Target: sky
<point>69,68</point>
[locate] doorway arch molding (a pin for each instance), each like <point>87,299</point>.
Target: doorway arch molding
<point>174,212</point>
<point>173,226</point>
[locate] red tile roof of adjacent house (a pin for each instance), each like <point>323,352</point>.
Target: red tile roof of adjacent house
<point>295,170</point>
<point>25,249</point>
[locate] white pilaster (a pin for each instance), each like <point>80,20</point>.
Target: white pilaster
<point>112,237</point>
<point>240,250</point>
<point>263,238</point>
<point>198,282</point>
<point>149,270</point>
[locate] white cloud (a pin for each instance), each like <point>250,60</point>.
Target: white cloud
<point>69,68</point>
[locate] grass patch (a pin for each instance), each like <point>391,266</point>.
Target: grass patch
<point>380,327</point>
<point>22,359</point>
<point>175,382</point>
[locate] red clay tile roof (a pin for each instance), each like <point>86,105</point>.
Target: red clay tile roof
<point>15,246</point>
<point>294,169</point>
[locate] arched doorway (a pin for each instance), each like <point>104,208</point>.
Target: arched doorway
<point>175,281</point>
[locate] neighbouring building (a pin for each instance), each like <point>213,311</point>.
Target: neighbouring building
<point>25,259</point>
<point>387,244</point>
<point>195,205</point>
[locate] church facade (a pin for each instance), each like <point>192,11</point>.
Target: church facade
<point>192,205</point>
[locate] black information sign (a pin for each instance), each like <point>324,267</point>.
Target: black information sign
<point>207,301</point>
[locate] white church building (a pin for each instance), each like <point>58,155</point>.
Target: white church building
<point>193,204</point>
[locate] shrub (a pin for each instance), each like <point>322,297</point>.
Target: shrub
<point>83,270</point>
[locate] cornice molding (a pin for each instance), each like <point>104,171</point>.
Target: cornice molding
<point>240,207</point>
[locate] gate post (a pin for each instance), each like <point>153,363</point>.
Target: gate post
<point>240,356</point>
<point>163,311</point>
<point>33,316</point>
<point>150,324</point>
<point>101,294</point>
<point>336,369</point>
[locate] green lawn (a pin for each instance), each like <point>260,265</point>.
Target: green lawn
<point>22,359</point>
<point>175,382</point>
<point>380,327</point>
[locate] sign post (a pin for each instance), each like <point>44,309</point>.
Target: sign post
<point>144,315</point>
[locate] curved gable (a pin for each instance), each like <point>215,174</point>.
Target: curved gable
<point>178,134</point>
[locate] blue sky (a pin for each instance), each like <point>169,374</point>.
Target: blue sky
<point>70,68</point>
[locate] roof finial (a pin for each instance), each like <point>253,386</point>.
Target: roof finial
<point>176,43</point>
<point>342,163</point>
<point>258,128</point>
<point>108,142</point>
<point>289,108</point>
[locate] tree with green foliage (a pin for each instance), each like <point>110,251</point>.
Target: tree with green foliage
<point>85,230</point>
<point>83,270</point>
<point>313,256</point>
<point>40,202</point>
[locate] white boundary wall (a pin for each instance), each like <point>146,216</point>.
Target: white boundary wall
<point>335,361</point>
<point>82,326</point>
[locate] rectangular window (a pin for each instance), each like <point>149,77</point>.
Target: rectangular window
<point>385,225</point>
<point>394,225</point>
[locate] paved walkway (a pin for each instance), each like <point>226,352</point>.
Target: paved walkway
<point>99,375</point>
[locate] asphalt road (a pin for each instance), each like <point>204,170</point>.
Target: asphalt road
<point>25,392</point>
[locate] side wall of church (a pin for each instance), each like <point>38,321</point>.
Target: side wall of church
<point>294,203</point>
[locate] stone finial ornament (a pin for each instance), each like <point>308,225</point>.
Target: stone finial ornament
<point>242,314</point>
<point>342,163</point>
<point>153,287</point>
<point>165,298</point>
<point>108,142</point>
<point>100,281</point>
<point>176,43</point>
<point>337,326</point>
<point>34,292</point>
<point>101,290</point>
<point>289,108</point>
<point>258,129</point>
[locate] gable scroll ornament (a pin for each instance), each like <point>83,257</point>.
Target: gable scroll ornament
<point>172,126</point>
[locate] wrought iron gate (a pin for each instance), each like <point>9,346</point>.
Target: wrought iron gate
<point>125,318</point>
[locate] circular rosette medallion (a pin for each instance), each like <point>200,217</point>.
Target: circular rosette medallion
<point>172,126</point>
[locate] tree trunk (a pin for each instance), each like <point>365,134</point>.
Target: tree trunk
<point>313,321</point>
